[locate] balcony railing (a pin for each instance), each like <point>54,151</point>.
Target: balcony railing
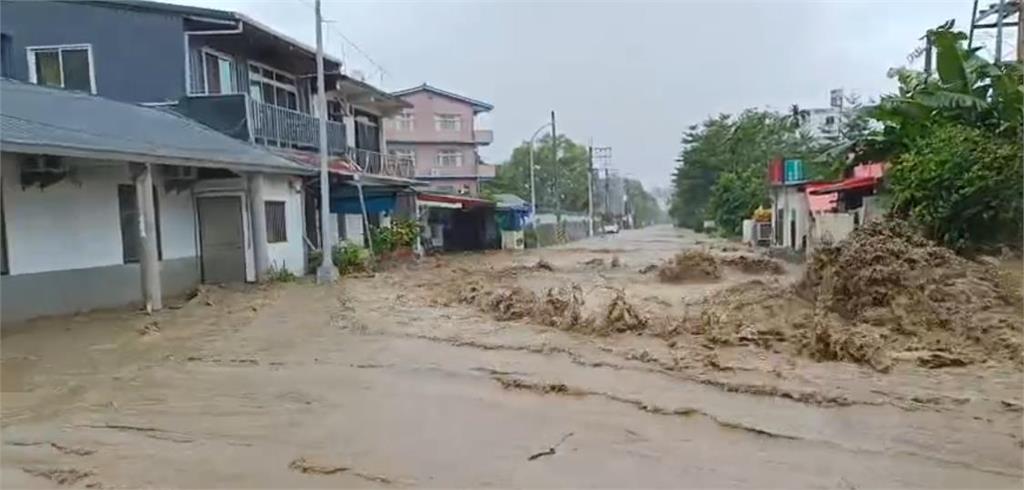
<point>483,136</point>
<point>287,128</point>
<point>375,163</point>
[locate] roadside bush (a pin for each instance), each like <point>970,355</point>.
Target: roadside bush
<point>401,234</point>
<point>280,274</point>
<point>962,186</point>
<point>349,257</point>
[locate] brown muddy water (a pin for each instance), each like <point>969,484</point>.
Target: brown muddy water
<point>388,381</point>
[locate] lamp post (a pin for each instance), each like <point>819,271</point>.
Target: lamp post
<point>533,185</point>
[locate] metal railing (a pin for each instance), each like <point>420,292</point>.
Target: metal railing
<point>376,163</point>
<point>279,126</point>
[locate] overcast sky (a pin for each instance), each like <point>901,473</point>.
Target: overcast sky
<point>630,76</point>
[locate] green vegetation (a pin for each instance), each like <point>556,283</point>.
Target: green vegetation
<point>952,140</point>
<point>280,274</point>
<point>565,181</point>
<point>401,234</point>
<point>349,257</point>
<point>722,172</point>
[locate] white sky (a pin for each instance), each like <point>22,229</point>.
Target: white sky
<point>631,75</point>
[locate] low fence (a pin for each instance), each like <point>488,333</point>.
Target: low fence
<point>548,234</point>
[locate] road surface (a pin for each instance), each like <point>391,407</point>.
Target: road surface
<point>385,382</point>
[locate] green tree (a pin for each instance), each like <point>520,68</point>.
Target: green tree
<point>733,152</point>
<point>644,206</point>
<point>562,184</point>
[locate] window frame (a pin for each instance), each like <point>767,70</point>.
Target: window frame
<point>440,118</point>
<point>439,161</point>
<point>405,121</point>
<point>258,77</point>
<point>404,154</point>
<point>271,235</point>
<point>138,212</point>
<point>30,54</point>
<point>203,51</point>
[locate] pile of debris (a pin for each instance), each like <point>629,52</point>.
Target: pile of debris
<point>754,264</point>
<point>884,291</point>
<point>560,307</point>
<point>691,265</point>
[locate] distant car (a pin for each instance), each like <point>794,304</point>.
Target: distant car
<point>610,228</point>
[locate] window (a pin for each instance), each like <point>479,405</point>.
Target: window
<point>218,73</point>
<point>830,120</point>
<point>405,122</point>
<point>128,205</point>
<point>449,158</point>
<point>406,156</point>
<point>276,229</point>
<point>273,87</point>
<point>5,55</point>
<point>68,67</point>
<point>447,122</point>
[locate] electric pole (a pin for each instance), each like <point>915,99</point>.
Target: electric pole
<point>555,169</point>
<point>590,189</point>
<point>326,273</point>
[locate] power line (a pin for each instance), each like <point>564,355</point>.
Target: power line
<point>329,27</point>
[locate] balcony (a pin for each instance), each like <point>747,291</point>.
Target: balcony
<point>244,118</point>
<point>375,163</point>
<point>279,126</point>
<point>483,136</point>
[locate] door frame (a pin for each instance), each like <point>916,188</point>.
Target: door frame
<point>248,258</point>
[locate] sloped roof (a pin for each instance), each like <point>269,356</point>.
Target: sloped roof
<point>478,106</point>
<point>43,120</point>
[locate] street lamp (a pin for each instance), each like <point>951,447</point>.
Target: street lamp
<point>533,185</point>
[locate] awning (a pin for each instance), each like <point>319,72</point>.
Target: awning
<point>451,201</point>
<point>374,205</point>
<point>310,160</point>
<point>851,184</point>
<point>820,203</point>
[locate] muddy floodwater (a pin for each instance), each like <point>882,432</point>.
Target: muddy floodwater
<point>399,380</point>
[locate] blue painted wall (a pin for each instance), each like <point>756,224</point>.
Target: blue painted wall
<point>138,56</point>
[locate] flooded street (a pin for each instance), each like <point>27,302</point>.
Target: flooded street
<point>393,381</point>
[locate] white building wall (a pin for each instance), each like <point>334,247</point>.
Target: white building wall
<point>177,223</point>
<point>795,208</point>
<point>290,253</point>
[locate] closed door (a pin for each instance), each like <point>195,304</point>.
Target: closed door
<point>221,239</point>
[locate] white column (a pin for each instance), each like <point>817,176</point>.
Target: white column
<point>259,226</point>
<point>149,260</point>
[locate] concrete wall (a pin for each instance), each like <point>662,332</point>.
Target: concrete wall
<point>291,253</point>
<point>64,245</point>
<point>425,106</point>
<point>830,228</point>
<point>795,208</point>
<point>137,56</point>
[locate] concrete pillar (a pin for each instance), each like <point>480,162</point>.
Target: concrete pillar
<point>261,255</point>
<point>149,260</point>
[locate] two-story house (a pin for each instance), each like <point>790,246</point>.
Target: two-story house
<point>222,69</point>
<point>439,136</point>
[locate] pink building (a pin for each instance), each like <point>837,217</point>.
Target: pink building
<point>439,136</point>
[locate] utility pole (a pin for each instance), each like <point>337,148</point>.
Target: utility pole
<point>555,169</point>
<point>590,189</point>
<point>326,273</point>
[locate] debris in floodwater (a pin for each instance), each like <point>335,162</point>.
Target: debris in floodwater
<point>563,308</point>
<point>691,265</point>
<point>594,262</point>
<point>60,476</point>
<point>752,264</point>
<point>303,466</point>
<point>649,268</point>
<point>76,451</point>
<point>511,304</point>
<point>544,265</point>
<point>622,316</point>
<point>616,261</point>
<point>551,450</point>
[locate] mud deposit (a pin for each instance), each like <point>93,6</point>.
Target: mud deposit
<point>535,369</point>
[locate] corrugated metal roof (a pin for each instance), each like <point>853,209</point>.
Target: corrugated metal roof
<point>36,119</point>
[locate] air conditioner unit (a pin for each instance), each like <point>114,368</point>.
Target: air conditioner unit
<point>179,172</point>
<point>44,164</point>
